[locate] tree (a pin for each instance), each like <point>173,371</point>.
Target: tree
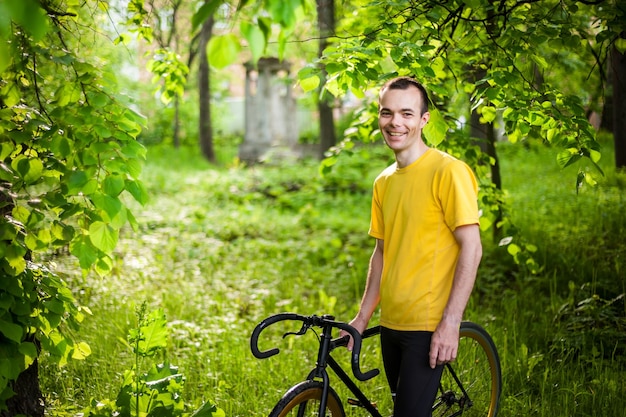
<point>618,72</point>
<point>68,154</point>
<point>204,74</point>
<point>326,26</point>
<point>166,34</point>
<point>164,19</point>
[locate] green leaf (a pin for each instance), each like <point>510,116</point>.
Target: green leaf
<point>98,100</point>
<point>283,37</point>
<point>29,350</point>
<point>82,248</point>
<point>488,113</point>
<point>111,208</point>
<point>54,306</point>
<point>208,410</point>
<point>223,50</point>
<point>6,300</point>
<point>153,334</point>
<point>133,149</point>
<point>29,15</point>
<point>30,169</point>
<point>11,94</point>
<point>60,146</point>
<point>513,249</point>
<point>81,351</point>
<point>265,24</point>
<point>205,12</point>
<point>568,157</point>
<point>132,221</point>
<point>256,39</point>
<point>310,83</point>
<point>113,185</point>
<point>21,214</point>
<point>103,236</point>
<point>594,155</point>
<point>6,149</point>
<point>77,180</point>
<point>102,131</point>
<point>11,331</point>
<point>68,93</point>
<point>309,78</point>
<point>436,128</point>
<point>134,167</point>
<point>14,255</point>
<point>103,265</point>
<point>137,190</point>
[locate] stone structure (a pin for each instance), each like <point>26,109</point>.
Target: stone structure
<point>271,125</point>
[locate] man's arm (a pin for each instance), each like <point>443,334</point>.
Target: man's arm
<point>445,340</point>
<point>371,294</point>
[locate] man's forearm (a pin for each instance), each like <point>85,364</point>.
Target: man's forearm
<point>371,295</point>
<point>465,273</point>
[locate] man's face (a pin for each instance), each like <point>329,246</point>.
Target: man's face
<point>400,119</point>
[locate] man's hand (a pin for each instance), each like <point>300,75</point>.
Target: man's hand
<point>444,343</point>
<point>360,327</point>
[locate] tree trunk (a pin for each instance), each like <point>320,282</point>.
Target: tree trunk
<point>486,133</point>
<point>28,399</point>
<point>618,65</point>
<point>326,25</point>
<point>176,122</point>
<point>485,136</point>
<point>205,131</point>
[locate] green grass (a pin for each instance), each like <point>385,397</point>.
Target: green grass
<point>220,248</point>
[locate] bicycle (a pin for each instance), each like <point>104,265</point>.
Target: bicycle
<point>470,386</point>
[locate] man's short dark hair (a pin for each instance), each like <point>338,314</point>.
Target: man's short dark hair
<point>403,83</point>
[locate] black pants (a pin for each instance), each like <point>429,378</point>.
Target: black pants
<point>412,381</point>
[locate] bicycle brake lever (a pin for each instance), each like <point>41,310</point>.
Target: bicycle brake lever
<point>300,332</point>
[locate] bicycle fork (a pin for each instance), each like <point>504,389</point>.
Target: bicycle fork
<point>324,360</point>
<point>320,371</point>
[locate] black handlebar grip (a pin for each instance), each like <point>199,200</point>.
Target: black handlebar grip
<point>254,339</point>
<point>356,352</point>
<point>357,372</point>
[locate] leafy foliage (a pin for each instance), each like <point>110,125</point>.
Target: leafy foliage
<point>589,326</point>
<point>256,23</point>
<point>36,311</point>
<point>68,158</point>
<point>157,391</point>
<point>482,53</point>
<point>489,57</point>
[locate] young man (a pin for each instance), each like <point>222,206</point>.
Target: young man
<point>427,251</point>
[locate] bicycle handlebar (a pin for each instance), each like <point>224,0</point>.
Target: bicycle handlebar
<point>319,322</point>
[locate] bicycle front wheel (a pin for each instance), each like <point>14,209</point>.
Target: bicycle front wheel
<point>471,385</point>
<point>304,400</point>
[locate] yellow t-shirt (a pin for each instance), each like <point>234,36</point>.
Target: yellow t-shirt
<point>415,210</point>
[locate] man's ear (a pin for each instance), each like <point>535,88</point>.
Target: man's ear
<point>425,118</point>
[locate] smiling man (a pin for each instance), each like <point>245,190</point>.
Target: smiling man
<point>427,251</point>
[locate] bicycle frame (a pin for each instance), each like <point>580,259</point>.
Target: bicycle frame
<point>324,360</point>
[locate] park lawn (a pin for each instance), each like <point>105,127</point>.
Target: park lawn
<point>220,248</point>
